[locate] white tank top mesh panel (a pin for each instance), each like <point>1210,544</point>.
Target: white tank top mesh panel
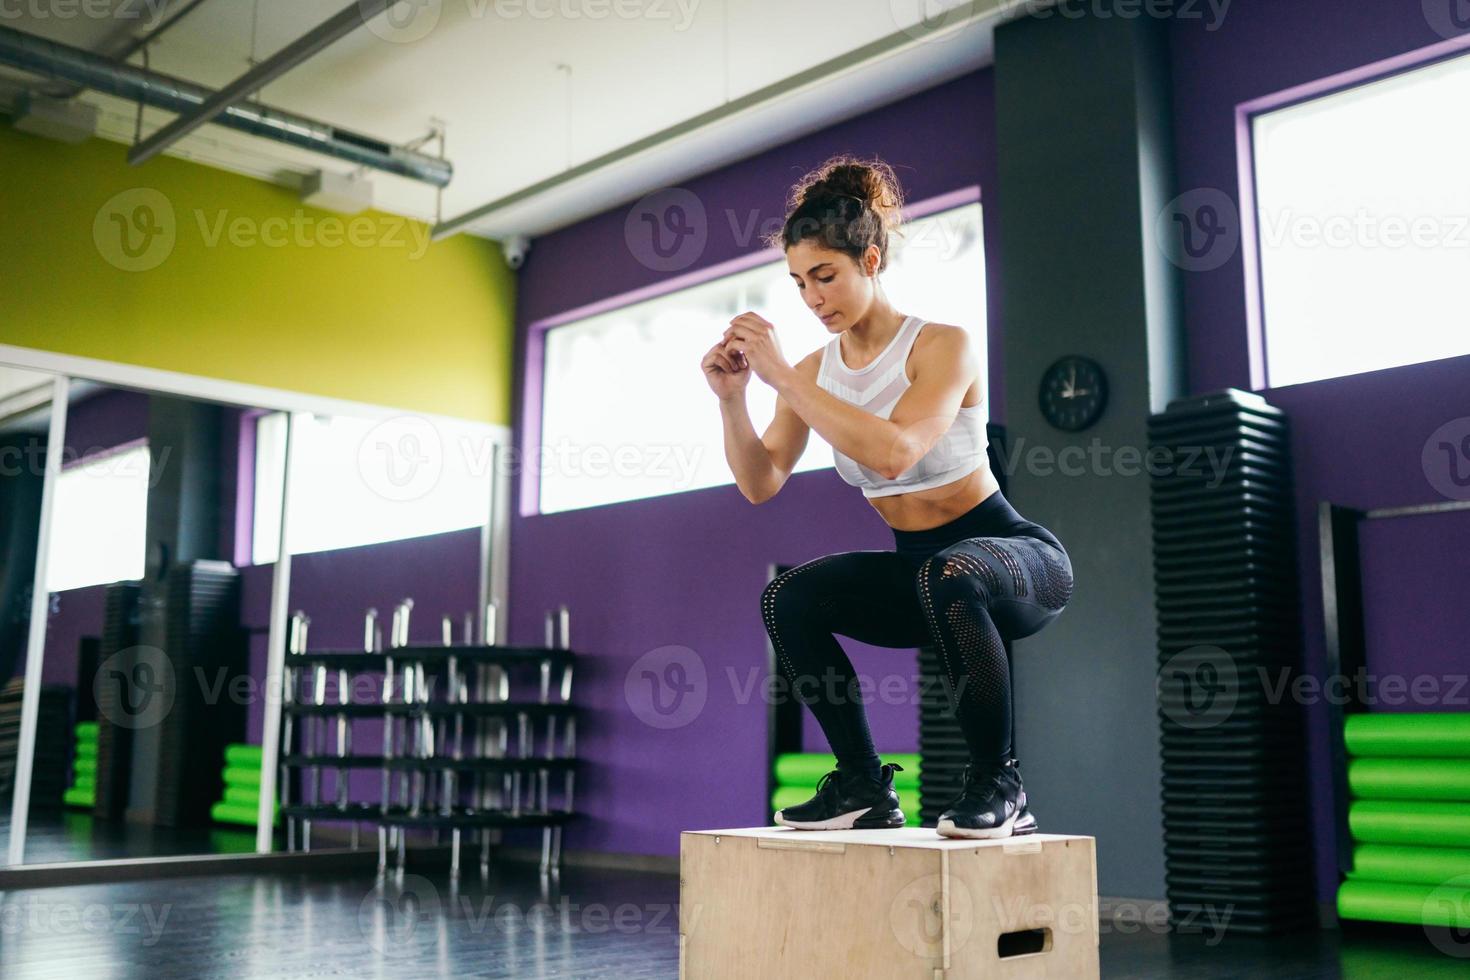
<point>876,388</point>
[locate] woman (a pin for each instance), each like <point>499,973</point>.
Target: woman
<point>899,400</point>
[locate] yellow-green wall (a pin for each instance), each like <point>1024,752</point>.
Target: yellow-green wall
<point>250,286</point>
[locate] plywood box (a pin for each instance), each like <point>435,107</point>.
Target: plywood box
<point>778,903</point>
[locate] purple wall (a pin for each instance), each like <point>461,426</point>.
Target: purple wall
<point>104,420</point>
<point>688,569</point>
<point>1357,440</point>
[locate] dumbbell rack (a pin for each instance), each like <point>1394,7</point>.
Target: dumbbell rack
<point>445,758</point>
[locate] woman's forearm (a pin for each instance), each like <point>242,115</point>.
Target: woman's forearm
<point>874,442</point>
<point>750,461</point>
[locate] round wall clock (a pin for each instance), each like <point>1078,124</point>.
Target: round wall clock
<point>1074,392</point>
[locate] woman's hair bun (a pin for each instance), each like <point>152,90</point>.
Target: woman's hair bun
<point>820,207</point>
<point>872,182</point>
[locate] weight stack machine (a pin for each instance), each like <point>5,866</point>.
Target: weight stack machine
<point>1237,842</point>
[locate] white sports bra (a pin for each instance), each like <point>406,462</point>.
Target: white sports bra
<point>876,388</point>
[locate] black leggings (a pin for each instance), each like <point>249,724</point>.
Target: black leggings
<point>960,587</point>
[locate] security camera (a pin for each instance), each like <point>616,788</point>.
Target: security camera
<point>515,248</point>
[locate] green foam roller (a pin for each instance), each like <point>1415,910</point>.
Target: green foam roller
<point>806,768</point>
<point>242,795</point>
<point>1410,779</point>
<point>77,796</point>
<point>1405,822</point>
<point>82,765</point>
<point>87,781</point>
<point>1420,905</point>
<point>1440,735</point>
<point>86,729</point>
<point>86,750</point>
<point>243,755</point>
<point>241,776</point>
<point>1410,865</point>
<point>225,813</point>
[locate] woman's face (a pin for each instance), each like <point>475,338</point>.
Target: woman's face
<point>831,283</point>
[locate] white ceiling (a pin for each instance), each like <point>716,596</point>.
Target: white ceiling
<point>16,382</point>
<point>530,88</point>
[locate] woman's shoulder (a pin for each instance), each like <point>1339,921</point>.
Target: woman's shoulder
<point>932,331</point>
<point>942,341</point>
<point>939,345</point>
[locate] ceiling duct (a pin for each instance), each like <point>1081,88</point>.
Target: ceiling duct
<point>59,61</point>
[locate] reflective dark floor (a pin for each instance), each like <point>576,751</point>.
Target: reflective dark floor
<point>592,923</point>
<point>54,836</point>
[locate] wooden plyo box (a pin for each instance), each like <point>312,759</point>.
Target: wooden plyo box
<point>777,903</point>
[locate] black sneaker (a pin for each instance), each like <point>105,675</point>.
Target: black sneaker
<point>848,802</point>
<point>990,805</point>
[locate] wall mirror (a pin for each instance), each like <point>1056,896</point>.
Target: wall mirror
<point>166,599</point>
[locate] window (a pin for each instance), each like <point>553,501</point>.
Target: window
<point>361,481</point>
<point>626,413</point>
<point>100,527</point>
<point>1362,214</point>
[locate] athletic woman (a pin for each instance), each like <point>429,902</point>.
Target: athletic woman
<point>899,401</point>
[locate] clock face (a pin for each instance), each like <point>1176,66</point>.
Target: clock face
<point>1074,391</point>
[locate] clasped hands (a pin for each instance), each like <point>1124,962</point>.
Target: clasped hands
<point>751,339</point>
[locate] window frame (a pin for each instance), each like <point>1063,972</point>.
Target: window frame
<point>1245,115</point>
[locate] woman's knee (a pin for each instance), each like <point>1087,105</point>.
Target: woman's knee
<point>793,593</point>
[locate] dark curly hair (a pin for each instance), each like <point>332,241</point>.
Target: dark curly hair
<point>846,205</point>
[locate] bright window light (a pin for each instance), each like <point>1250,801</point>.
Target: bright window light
<point>1363,214</point>
<point>626,412</point>
<point>359,481</point>
<point>100,525</point>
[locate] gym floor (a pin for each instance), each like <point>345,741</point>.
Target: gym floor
<point>594,923</point>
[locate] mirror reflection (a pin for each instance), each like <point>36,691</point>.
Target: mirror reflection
<point>145,725</point>
<point>161,563</point>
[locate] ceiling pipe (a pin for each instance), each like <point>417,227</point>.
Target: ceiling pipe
<point>124,43</point>
<point>328,32</point>
<point>65,63</point>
